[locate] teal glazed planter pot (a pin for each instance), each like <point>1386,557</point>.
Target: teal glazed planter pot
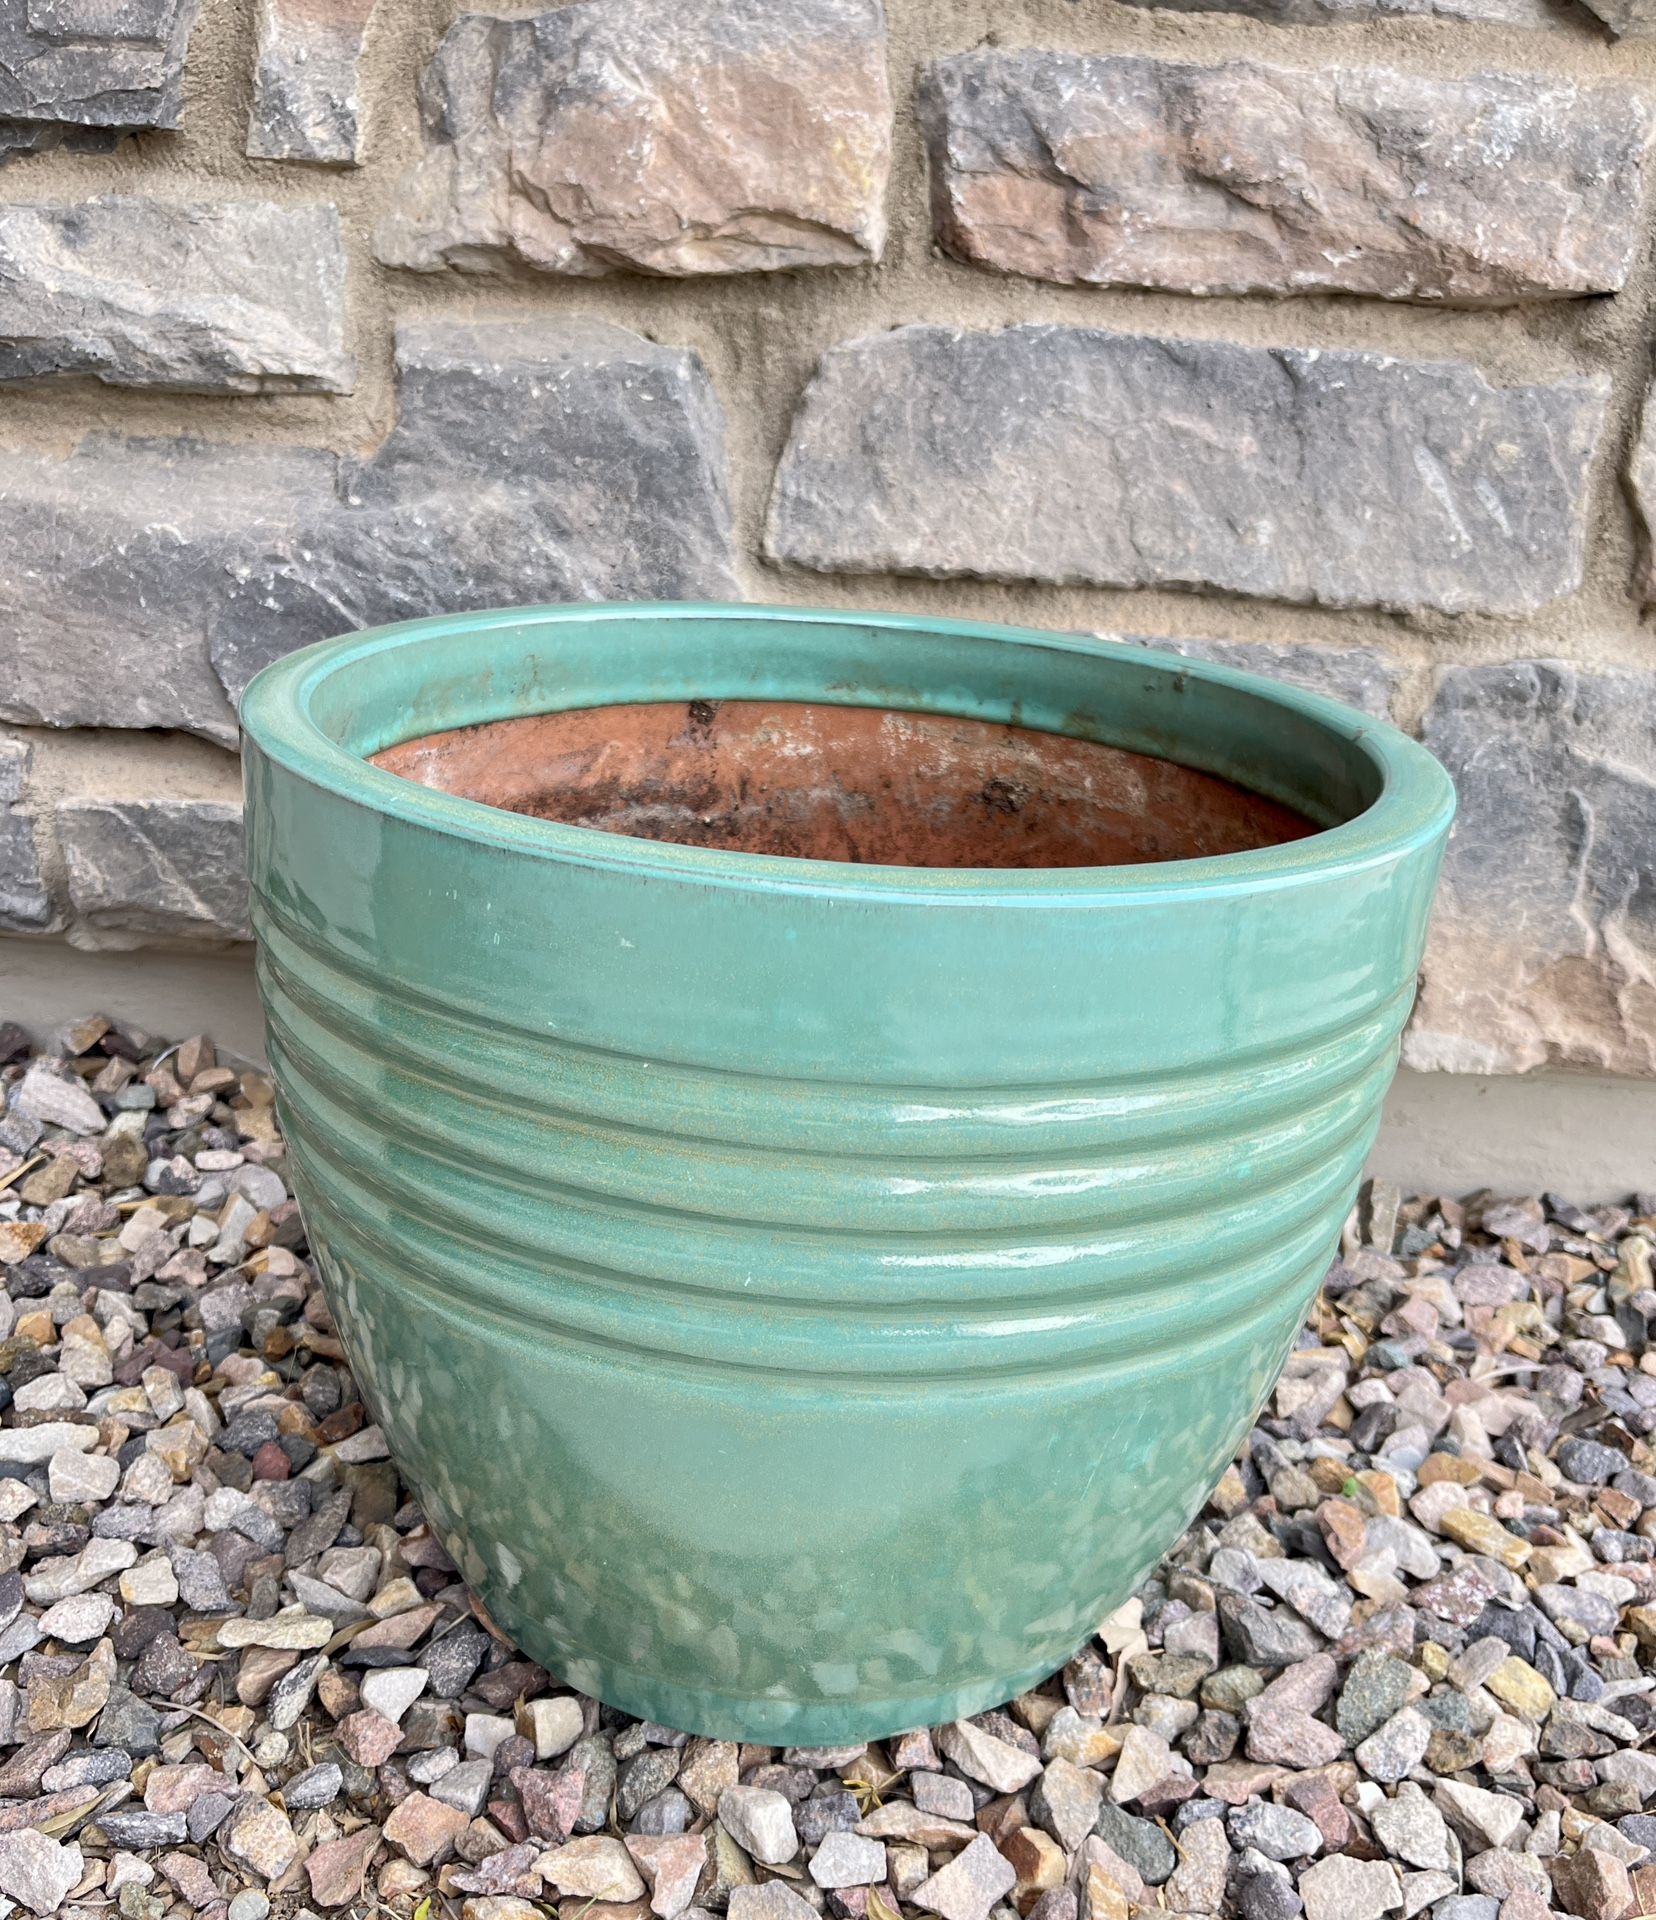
<point>808,1296</point>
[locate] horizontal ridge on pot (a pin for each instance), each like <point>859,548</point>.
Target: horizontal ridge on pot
<point>806,1295</point>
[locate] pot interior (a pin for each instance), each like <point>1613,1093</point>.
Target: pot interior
<point>862,784</point>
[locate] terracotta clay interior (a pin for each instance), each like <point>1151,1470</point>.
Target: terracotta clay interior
<point>845,783</point>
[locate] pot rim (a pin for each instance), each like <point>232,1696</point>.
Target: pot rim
<point>1410,811</point>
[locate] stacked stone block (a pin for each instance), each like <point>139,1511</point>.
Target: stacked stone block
<point>1304,334</point>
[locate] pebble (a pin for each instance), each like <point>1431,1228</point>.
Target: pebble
<point>848,1860</point>
<point>1141,1843</point>
<point>73,1479</point>
<point>465,1786</point>
<point>1482,1819</point>
<point>1397,1746</point>
<point>317,1786</point>
<point>1589,1462</point>
<point>76,1621</point>
<point>1411,1829</point>
<point>775,1900</point>
<point>1065,1801</point>
<point>1144,1761</point>
<point>391,1691</point>
<point>997,1764</point>
<point>760,1821</point>
<point>554,1724</point>
<point>943,1793</point>
<point>673,1866</point>
<point>295,1630</point>
<point>424,1830</point>
<point>1278,1832</point>
<point>1341,1888</point>
<point>970,1886</point>
<point>259,1836</point>
<point>596,1867</point>
<point>1593,1884</point>
<point>37,1871</point>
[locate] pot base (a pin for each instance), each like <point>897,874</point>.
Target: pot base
<point>866,785</point>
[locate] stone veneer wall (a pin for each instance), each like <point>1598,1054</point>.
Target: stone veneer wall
<point>1310,334</point>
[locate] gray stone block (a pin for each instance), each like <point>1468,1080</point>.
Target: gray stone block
<point>18,137</point>
<point>119,63</point>
<point>25,902</point>
<point>232,297</point>
<point>1321,13</point>
<point>1626,19</point>
<point>1543,943</point>
<point>166,868</point>
<point>122,562</point>
<point>305,99</point>
<point>1641,484</point>
<point>1119,171</point>
<point>538,462</point>
<point>1070,455</point>
<point>665,136</point>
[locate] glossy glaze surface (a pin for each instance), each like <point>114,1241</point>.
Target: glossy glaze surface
<point>807,1296</point>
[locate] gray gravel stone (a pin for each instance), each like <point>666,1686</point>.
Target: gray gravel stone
<point>49,1092</point>
<point>1375,1688</point>
<point>1588,1462</point>
<point>465,1786</point>
<point>134,1827</point>
<point>317,1786</point>
<point>1263,471</point>
<point>1277,1832</point>
<point>1626,19</point>
<point>1467,1906</point>
<point>230,297</point>
<point>1120,171</point>
<point>1141,1843</point>
<point>1065,1800</point>
<point>1397,1746</point>
<point>587,138</point>
<point>544,461</point>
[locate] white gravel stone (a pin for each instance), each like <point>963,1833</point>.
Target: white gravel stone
<point>760,1821</point>
<point>34,1446</point>
<point>79,1620</point>
<point>554,1724</point>
<point>393,1690</point>
<point>74,1479</point>
<point>848,1860</point>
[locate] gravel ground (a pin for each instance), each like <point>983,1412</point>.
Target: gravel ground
<point>1400,1665</point>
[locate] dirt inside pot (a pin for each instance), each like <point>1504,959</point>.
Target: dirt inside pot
<point>846,783</point>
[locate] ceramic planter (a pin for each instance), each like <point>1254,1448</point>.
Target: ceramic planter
<point>807,1295</point>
